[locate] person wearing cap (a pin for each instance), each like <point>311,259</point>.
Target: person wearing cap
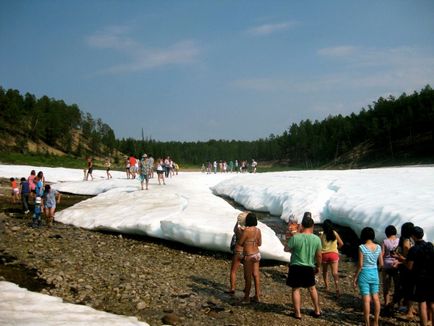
<point>144,171</point>
<point>305,248</point>
<point>420,261</point>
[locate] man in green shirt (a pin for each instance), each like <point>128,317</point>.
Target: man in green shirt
<point>305,248</point>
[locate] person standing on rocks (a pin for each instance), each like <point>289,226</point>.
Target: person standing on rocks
<point>251,240</point>
<point>49,203</point>
<point>237,250</point>
<point>305,248</point>
<point>366,277</point>
<point>25,192</point>
<point>32,183</point>
<point>330,242</point>
<point>39,191</point>
<point>420,261</point>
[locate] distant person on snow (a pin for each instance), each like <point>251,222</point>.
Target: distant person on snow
<point>89,168</point>
<point>107,165</point>
<point>144,171</point>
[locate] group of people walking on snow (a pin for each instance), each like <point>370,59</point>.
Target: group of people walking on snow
<point>231,166</point>
<point>142,169</point>
<point>407,262</point>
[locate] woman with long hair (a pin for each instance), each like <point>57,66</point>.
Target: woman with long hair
<point>406,281</point>
<point>331,242</point>
<point>237,250</point>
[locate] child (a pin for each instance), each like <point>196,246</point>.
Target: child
<point>36,221</point>
<point>366,276</point>
<point>293,227</point>
<point>25,192</point>
<point>390,270</point>
<point>331,242</point>
<point>39,191</point>
<point>15,191</point>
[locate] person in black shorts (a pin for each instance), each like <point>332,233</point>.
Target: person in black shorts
<point>420,261</point>
<point>305,248</point>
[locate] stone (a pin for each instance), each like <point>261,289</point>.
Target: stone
<point>170,319</point>
<point>141,305</point>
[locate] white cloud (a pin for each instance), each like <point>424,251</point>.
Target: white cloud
<point>388,69</point>
<point>140,57</point>
<point>267,29</point>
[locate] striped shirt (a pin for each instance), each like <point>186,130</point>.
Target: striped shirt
<point>370,257</point>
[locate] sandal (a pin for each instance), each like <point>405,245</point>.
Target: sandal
<point>293,315</point>
<point>314,314</point>
<point>254,299</point>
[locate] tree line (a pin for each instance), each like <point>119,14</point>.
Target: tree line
<point>391,127</point>
<point>52,121</point>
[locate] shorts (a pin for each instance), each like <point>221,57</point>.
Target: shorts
<point>330,257</point>
<point>369,282</point>
<point>300,276</point>
<point>423,290</point>
<point>15,191</point>
<point>143,177</point>
<point>160,171</point>
<point>89,171</point>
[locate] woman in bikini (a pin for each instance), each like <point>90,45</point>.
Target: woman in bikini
<point>251,240</point>
<point>237,251</point>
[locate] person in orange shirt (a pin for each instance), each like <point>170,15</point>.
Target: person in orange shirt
<point>15,191</point>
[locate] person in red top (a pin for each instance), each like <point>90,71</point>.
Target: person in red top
<point>133,170</point>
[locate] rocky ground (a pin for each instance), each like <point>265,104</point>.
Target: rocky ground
<point>156,281</point>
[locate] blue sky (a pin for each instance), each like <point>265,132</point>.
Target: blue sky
<point>199,70</point>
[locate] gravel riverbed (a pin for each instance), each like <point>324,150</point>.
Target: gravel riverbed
<point>157,281</point>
